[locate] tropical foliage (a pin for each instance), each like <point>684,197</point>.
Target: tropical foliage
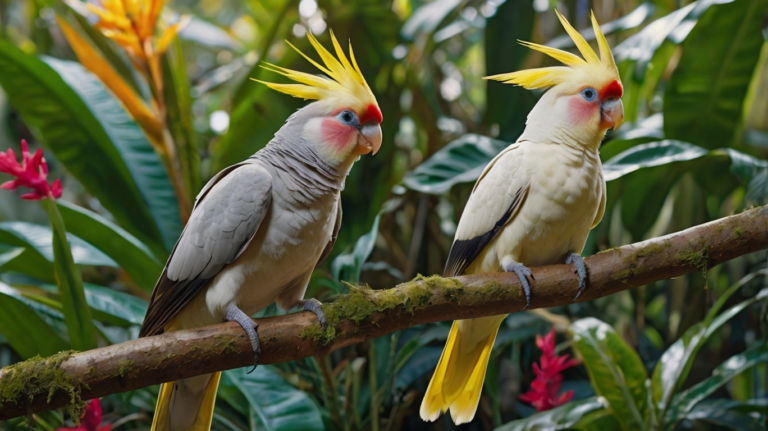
<point>137,103</point>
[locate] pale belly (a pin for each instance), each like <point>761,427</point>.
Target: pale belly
<point>555,219</point>
<point>284,249</point>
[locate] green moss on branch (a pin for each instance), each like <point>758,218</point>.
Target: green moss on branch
<point>21,382</point>
<point>361,302</point>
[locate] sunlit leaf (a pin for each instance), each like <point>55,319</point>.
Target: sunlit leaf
<point>736,415</point>
<point>39,238</point>
<point>562,417</point>
<point>277,406</point>
<point>461,161</point>
<point>704,100</point>
<point>615,370</point>
<point>641,47</point>
<point>79,121</point>
<point>207,34</point>
<point>683,403</point>
<point>676,362</point>
<point>428,17</point>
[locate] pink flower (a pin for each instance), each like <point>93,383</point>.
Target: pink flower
<point>544,389</point>
<point>91,419</point>
<point>31,173</point>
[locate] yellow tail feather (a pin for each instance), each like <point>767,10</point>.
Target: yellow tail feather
<point>460,373</point>
<point>162,420</point>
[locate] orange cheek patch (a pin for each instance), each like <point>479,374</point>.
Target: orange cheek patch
<point>580,111</point>
<point>336,134</point>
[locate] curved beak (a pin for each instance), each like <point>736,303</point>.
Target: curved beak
<point>612,114</point>
<point>369,138</point>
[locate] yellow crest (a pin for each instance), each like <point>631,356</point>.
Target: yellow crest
<point>590,69</point>
<point>345,86</point>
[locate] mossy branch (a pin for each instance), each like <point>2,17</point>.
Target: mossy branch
<point>363,314</point>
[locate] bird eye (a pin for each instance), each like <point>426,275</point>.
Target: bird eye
<point>589,94</point>
<point>348,117</point>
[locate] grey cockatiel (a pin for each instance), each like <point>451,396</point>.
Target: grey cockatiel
<point>259,228</point>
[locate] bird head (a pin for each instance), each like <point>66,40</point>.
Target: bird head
<point>585,95</point>
<point>345,120</point>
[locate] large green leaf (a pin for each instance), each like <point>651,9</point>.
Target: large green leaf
<point>146,169</point>
<point>683,403</point>
<point>40,239</point>
<point>277,406</point>
<point>80,122</point>
<point>26,332</point>
<point>107,305</point>
<point>650,155</point>
<point>77,313</point>
<point>663,163</point>
<point>675,364</point>
<point>461,161</point>
<point>130,253</point>
<point>736,415</point>
<point>561,417</point>
<point>126,309</point>
<point>640,48</point>
<point>615,370</point>
<point>705,97</point>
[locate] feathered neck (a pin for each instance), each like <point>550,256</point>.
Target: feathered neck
<point>290,152</point>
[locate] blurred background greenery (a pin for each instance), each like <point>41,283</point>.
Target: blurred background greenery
<point>135,127</point>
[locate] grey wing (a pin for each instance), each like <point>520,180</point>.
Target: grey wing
<point>226,217</point>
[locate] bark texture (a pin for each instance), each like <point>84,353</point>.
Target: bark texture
<point>364,314</point>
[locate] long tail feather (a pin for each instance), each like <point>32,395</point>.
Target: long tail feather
<point>186,405</point>
<point>459,377</point>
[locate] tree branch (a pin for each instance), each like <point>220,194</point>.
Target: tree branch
<point>38,385</point>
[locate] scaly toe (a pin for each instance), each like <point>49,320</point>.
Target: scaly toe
<point>316,307</point>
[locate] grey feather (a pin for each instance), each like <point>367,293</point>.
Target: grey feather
<point>222,224</point>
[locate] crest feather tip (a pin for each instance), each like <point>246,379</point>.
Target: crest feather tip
<point>344,84</point>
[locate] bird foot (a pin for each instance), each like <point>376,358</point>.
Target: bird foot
<point>235,314</point>
<point>315,306</point>
<point>581,270</point>
<point>522,273</point>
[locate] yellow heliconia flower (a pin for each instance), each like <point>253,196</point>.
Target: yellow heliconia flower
<point>132,24</point>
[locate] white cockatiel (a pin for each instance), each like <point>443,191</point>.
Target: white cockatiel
<point>534,204</point>
<point>259,228</point>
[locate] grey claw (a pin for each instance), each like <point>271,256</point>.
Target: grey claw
<point>316,307</point>
<point>581,270</point>
<point>522,273</point>
<point>235,314</point>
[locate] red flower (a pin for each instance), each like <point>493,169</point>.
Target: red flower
<point>31,173</point>
<point>91,419</point>
<point>544,389</point>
